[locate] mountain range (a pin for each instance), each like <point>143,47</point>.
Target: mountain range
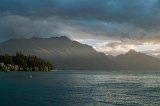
<point>67,54</point>
<point>133,60</point>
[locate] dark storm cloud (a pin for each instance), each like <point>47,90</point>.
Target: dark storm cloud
<point>14,26</point>
<point>139,12</point>
<point>113,18</point>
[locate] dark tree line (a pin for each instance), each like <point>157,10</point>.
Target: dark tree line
<point>20,62</point>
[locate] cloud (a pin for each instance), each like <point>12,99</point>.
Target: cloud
<point>153,52</point>
<point>120,47</point>
<point>109,30</point>
<point>115,47</point>
<point>101,19</point>
<point>138,12</point>
<point>14,26</point>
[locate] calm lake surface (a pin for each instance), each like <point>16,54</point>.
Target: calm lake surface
<point>75,88</point>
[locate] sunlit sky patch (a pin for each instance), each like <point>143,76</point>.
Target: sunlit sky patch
<point>111,47</point>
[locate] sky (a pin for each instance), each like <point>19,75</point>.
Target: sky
<point>110,26</point>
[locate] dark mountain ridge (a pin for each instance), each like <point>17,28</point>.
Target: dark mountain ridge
<point>67,54</point>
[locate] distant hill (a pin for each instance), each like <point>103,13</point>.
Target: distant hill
<point>63,52</point>
<point>67,54</point>
<point>133,60</point>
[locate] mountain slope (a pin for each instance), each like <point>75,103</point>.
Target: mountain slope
<point>63,52</point>
<point>68,54</point>
<point>133,60</point>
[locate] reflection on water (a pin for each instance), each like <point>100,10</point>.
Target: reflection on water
<point>87,88</point>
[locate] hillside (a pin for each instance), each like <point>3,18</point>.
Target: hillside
<point>133,60</point>
<point>67,55</point>
<point>63,52</point>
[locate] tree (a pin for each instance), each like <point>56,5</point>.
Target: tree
<point>23,63</point>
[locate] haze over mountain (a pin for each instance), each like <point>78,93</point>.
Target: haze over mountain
<point>65,53</point>
<point>68,54</point>
<point>133,60</point>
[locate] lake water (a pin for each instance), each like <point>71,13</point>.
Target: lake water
<point>87,88</point>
